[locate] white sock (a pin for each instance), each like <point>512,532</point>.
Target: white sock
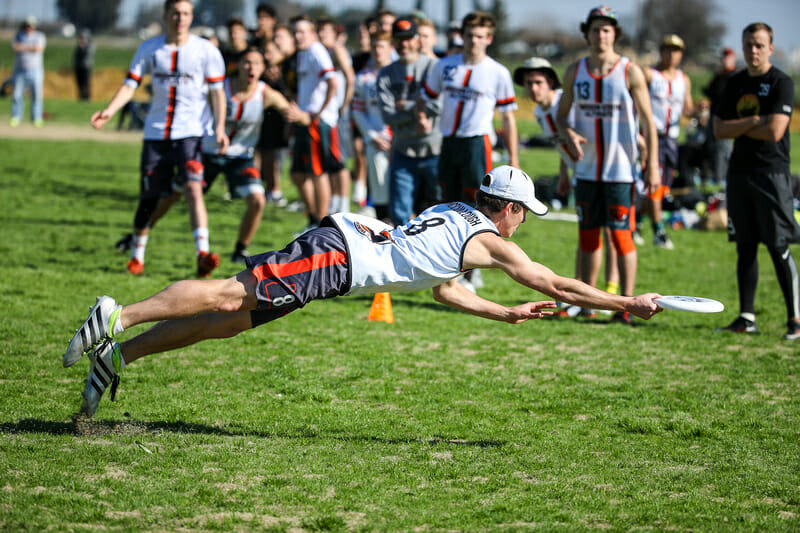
<point>336,204</point>
<point>201,240</point>
<point>138,245</point>
<point>748,316</point>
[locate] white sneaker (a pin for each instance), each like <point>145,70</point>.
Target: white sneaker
<point>467,284</point>
<point>103,371</point>
<point>477,278</point>
<point>97,327</point>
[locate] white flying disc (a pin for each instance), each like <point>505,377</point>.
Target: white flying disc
<point>692,304</point>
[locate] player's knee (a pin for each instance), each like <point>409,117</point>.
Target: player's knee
<point>589,240</point>
<point>194,170</point>
<point>256,200</point>
<point>144,211</point>
<point>623,241</point>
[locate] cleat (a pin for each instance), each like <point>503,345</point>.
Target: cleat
<point>585,312</point>
<point>124,244</point>
<point>569,311</point>
<point>792,330</point>
<point>638,240</point>
<point>103,371</point>
<point>135,267</point>
<point>97,327</point>
<point>662,240</point>
<point>740,325</point>
<point>206,262</point>
<point>240,256</point>
<point>622,317</point>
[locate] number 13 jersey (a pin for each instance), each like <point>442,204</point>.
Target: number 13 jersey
<point>426,252</point>
<point>605,116</point>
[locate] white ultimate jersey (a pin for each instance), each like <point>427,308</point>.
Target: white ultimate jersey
<point>606,117</point>
<point>547,121</point>
<point>181,77</point>
<point>242,124</point>
<point>424,253</point>
<point>470,94</point>
<point>314,67</point>
<point>366,106</point>
<point>666,99</point>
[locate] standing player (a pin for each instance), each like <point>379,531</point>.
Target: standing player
<point>755,111</point>
<point>376,134</point>
<point>181,66</point>
<point>670,98</point>
<point>608,92</point>
<point>347,255</point>
<point>246,99</point>
<point>472,86</point>
<point>542,85</point>
<point>316,146</point>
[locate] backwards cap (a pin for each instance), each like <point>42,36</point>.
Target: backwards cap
<point>600,12</point>
<point>515,185</point>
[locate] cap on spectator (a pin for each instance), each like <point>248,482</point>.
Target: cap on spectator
<point>515,185</point>
<point>600,12</point>
<point>404,28</point>
<point>728,52</point>
<point>537,64</point>
<point>672,40</point>
<point>454,25</point>
<point>31,21</point>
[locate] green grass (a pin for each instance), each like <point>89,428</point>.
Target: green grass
<point>324,421</point>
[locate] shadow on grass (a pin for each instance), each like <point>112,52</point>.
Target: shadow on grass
<point>86,427</point>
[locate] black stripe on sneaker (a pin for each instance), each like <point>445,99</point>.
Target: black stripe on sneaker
<point>109,374</point>
<point>99,388</point>
<point>84,340</point>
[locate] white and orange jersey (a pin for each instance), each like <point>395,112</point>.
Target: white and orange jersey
<point>470,94</point>
<point>666,99</point>
<point>181,77</point>
<point>314,68</point>
<point>242,124</point>
<point>547,121</point>
<point>606,117</point>
<point>366,108</point>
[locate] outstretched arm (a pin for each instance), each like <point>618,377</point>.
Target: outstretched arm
<point>120,98</point>
<point>487,250</point>
<point>453,294</point>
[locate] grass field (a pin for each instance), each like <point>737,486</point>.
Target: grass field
<point>324,421</point>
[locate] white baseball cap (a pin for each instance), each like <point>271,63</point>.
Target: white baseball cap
<point>513,184</point>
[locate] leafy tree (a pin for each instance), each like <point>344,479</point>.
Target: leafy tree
<point>694,20</point>
<point>90,13</point>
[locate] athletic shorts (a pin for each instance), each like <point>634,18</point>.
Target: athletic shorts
<point>166,166</point>
<point>603,204</point>
<point>316,149</point>
<point>241,174</point>
<point>463,163</point>
<point>312,267</point>
<point>667,158</point>
<point>760,209</point>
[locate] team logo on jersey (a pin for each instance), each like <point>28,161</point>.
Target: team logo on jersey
<point>383,237</point>
<point>747,106</point>
<point>763,89</point>
<point>449,72</point>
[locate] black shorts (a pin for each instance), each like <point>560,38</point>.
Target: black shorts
<point>463,163</point>
<point>760,209</point>
<point>316,149</point>
<point>667,158</point>
<point>312,267</point>
<point>601,204</point>
<point>165,166</point>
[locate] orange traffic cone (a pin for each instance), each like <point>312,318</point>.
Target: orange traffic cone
<point>381,309</point>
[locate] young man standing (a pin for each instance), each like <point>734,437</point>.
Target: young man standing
<point>415,150</point>
<point>670,98</point>
<point>246,99</point>
<point>608,92</point>
<point>347,255</point>
<point>755,111</point>
<point>472,85</point>
<point>316,152</point>
<point>28,45</point>
<point>182,66</point>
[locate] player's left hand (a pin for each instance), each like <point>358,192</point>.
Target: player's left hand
<point>222,141</point>
<point>528,311</point>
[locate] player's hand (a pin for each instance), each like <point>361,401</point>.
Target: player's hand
<point>530,310</point>
<point>297,115</point>
<point>652,177</point>
<point>99,118</point>
<point>643,305</point>
<point>573,144</point>
<point>222,141</point>
<point>381,144</point>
